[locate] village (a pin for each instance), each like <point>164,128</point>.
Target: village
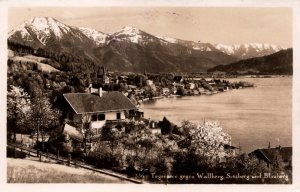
<point>147,86</point>
<point>103,127</point>
<point>165,93</point>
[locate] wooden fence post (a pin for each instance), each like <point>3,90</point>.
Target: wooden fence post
<point>69,159</point>
<point>15,152</point>
<point>57,154</point>
<point>40,157</point>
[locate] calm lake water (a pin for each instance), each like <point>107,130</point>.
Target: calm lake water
<point>252,116</point>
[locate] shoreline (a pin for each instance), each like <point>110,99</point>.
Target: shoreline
<point>158,97</point>
<point>172,96</point>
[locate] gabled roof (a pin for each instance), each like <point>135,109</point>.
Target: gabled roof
<point>284,152</point>
<point>91,103</point>
<point>271,154</point>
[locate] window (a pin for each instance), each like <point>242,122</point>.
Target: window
<point>118,115</point>
<point>101,117</point>
<point>94,117</point>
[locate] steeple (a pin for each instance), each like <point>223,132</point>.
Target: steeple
<point>101,75</point>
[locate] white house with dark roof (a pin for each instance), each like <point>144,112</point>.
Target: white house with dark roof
<point>97,109</point>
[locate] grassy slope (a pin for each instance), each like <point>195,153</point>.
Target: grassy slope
<point>32,171</point>
<point>34,59</point>
<point>41,66</point>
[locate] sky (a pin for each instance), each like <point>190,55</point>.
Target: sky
<point>227,25</point>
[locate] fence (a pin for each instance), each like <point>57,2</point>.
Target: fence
<point>68,161</point>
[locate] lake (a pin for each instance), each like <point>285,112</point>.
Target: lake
<point>252,116</point>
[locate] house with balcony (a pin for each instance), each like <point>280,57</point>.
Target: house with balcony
<point>97,109</point>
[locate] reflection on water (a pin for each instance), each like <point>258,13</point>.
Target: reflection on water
<point>253,116</point>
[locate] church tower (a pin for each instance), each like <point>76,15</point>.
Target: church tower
<point>101,75</point>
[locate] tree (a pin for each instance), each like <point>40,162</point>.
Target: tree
<point>203,147</point>
<point>166,126</point>
<point>43,116</point>
<point>85,124</point>
<point>18,107</point>
<point>111,135</point>
<point>208,140</point>
<point>245,165</point>
<point>147,143</point>
<point>34,88</point>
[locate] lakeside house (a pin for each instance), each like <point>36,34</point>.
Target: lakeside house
<point>154,127</point>
<point>178,79</point>
<point>218,74</point>
<point>98,108</point>
<point>201,90</point>
<point>165,91</point>
<point>274,156</point>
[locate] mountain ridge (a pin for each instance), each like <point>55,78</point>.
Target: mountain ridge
<point>277,63</point>
<point>249,50</point>
<point>149,51</point>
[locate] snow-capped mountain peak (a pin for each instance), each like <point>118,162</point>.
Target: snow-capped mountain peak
<point>48,24</point>
<point>44,31</point>
<point>96,36</point>
<point>248,50</point>
<point>168,39</point>
<point>43,27</point>
<point>129,33</point>
<point>226,48</point>
<point>191,44</point>
<point>129,30</point>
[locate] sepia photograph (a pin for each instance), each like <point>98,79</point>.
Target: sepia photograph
<point>149,94</point>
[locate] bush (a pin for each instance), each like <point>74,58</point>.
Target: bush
<point>130,170</point>
<point>77,154</point>
<point>62,147</point>
<point>102,160</point>
<point>91,158</point>
<point>166,126</point>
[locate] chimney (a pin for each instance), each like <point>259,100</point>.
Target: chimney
<point>100,92</point>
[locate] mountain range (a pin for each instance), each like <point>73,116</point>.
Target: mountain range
<point>131,49</point>
<point>249,50</point>
<point>277,63</point>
